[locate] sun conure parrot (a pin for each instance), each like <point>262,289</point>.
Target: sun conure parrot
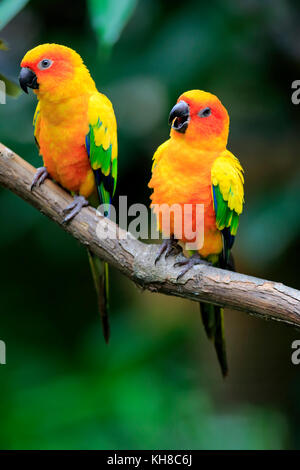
<point>76,132</point>
<point>195,167</point>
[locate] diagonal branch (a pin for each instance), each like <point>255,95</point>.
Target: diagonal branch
<point>259,297</point>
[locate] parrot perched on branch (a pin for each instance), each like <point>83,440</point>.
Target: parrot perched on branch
<point>76,132</point>
<point>194,167</point>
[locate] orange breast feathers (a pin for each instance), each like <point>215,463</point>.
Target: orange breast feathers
<point>61,133</point>
<point>181,175</point>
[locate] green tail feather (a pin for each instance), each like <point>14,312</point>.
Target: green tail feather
<point>101,281</point>
<point>213,321</point>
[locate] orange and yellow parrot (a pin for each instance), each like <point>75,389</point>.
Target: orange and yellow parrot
<point>76,132</point>
<point>194,167</point>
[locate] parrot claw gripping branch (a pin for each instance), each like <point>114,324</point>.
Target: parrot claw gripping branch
<point>74,208</point>
<point>194,260</point>
<point>168,247</point>
<point>39,177</point>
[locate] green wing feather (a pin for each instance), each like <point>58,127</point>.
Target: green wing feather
<point>225,217</point>
<point>228,198</point>
<point>101,145</point>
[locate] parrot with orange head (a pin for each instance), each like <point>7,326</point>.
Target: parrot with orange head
<point>76,132</point>
<point>194,167</point>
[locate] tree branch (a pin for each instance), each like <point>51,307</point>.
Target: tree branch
<point>259,297</point>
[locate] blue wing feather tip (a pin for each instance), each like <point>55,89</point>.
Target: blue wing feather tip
<point>87,143</point>
<point>215,199</point>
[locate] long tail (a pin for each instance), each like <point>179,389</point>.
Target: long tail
<point>213,321</point>
<point>213,317</point>
<point>101,281</point>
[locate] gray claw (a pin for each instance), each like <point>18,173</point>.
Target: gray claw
<point>39,177</point>
<point>168,247</point>
<point>189,263</point>
<point>74,208</point>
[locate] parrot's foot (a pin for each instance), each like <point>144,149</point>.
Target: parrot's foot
<point>39,177</point>
<point>74,208</point>
<point>189,263</point>
<point>169,247</point>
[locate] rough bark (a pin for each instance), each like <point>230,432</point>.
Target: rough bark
<point>259,297</point>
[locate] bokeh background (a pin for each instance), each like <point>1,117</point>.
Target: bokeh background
<point>157,385</point>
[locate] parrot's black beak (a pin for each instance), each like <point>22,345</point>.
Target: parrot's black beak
<point>180,116</point>
<point>27,78</point>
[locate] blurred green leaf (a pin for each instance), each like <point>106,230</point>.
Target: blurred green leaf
<point>263,237</point>
<point>11,88</point>
<point>9,9</point>
<point>3,46</point>
<point>108,18</point>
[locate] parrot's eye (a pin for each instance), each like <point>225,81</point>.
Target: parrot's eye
<point>45,64</point>
<point>205,112</point>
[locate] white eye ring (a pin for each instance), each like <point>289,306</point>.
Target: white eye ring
<point>45,64</point>
<point>205,112</point>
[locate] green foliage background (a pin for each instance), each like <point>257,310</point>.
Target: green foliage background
<point>157,385</point>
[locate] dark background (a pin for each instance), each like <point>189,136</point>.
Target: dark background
<point>157,385</point>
